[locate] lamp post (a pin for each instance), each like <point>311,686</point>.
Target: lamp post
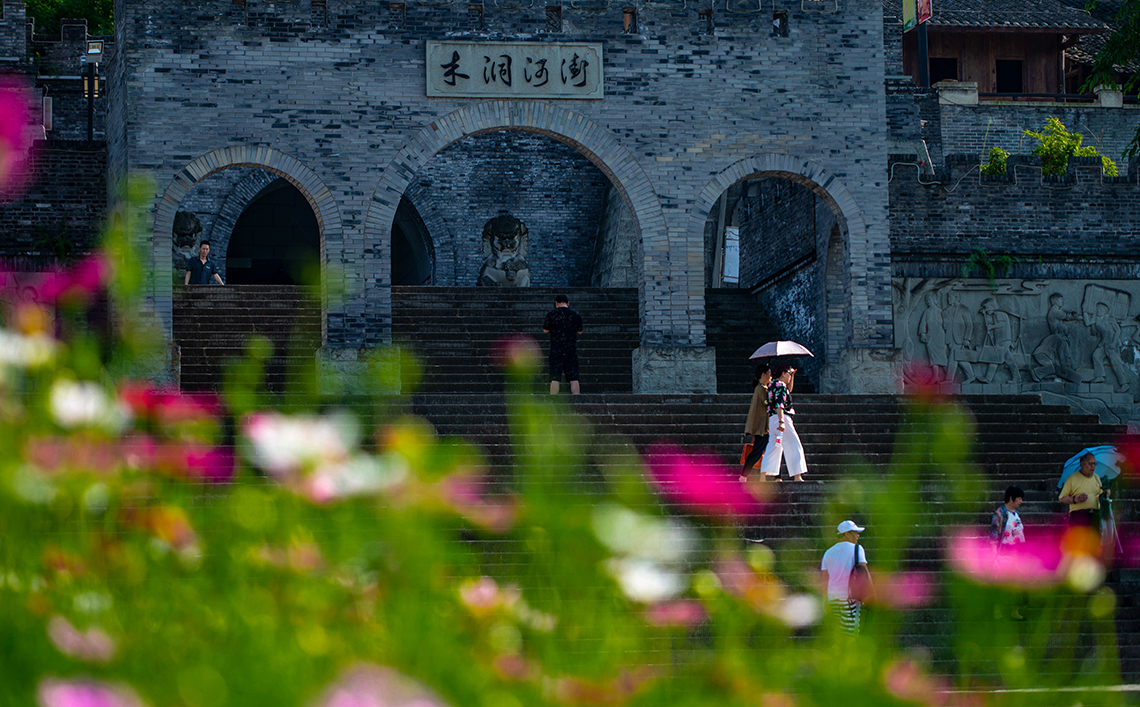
<point>90,62</point>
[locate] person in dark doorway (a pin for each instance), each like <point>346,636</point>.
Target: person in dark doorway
<point>564,326</point>
<point>756,426</point>
<point>200,270</point>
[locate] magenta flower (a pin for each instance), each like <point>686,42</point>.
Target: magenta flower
<point>699,483</point>
<point>682,613</point>
<point>78,283</point>
<point>212,465</point>
<point>1040,562</point>
<point>377,686</point>
<point>907,681</point>
<point>15,138</point>
<point>93,645</point>
<point>85,693</point>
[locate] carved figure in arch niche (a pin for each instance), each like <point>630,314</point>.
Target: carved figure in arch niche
<point>958,324</point>
<point>997,347</point>
<point>504,253</point>
<point>1109,343</point>
<point>932,332</point>
<point>1056,353</point>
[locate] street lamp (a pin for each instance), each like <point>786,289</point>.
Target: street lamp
<point>90,60</point>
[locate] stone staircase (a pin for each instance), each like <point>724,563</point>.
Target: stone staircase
<point>453,330</point>
<point>212,325</point>
<point>1019,441</point>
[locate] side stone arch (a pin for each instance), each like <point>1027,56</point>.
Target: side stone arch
<point>306,181</point>
<point>857,292</point>
<point>592,140</point>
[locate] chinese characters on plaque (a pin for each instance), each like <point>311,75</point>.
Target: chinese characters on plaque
<point>514,70</point>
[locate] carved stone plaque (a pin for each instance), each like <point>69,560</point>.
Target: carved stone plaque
<point>514,70</point>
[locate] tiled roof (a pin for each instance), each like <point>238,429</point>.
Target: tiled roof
<point>1009,15</point>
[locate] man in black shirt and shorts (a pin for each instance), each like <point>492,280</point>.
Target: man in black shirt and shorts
<point>564,326</point>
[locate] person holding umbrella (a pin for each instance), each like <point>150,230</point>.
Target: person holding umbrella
<point>782,437</point>
<point>1081,492</point>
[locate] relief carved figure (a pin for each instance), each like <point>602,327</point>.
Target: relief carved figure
<point>1109,343</point>
<point>185,234</point>
<point>1056,355</point>
<point>958,324</point>
<point>997,347</point>
<point>504,253</point>
<point>932,332</point>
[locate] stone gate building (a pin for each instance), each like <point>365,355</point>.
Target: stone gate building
<point>670,103</point>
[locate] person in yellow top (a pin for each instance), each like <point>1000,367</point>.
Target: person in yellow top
<point>1082,492</point>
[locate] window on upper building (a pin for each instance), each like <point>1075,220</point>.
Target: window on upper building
<point>943,68</point>
<point>1009,76</point>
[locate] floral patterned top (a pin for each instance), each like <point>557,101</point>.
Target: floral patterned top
<point>778,397</point>
<point>1006,527</point>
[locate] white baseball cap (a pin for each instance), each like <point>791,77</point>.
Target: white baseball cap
<point>848,525</point>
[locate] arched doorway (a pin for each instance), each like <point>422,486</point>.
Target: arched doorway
<point>276,240</point>
<point>800,233</point>
<point>413,253</point>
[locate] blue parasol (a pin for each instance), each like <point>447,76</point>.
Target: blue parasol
<point>1107,463</point>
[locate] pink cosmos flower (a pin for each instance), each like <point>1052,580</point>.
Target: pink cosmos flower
<point>93,645</point>
<point>77,283</point>
<point>483,596</point>
<point>906,680</point>
<point>518,353</point>
<point>682,613</point>
<point>54,692</point>
<point>699,483</point>
<point>1039,562</point>
<point>15,139</point>
<point>168,406</point>
<point>904,590</point>
<point>466,494</point>
<point>370,685</point>
<point>924,381</point>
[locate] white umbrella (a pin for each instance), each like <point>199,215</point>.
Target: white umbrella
<point>781,348</point>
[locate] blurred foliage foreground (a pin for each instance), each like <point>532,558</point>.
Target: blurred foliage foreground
<point>166,549</point>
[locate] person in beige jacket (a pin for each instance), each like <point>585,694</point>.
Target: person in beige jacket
<point>757,422</point>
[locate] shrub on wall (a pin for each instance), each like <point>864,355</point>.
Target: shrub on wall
<point>998,162</point>
<point>1057,145</point>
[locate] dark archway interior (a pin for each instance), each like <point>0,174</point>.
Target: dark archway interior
<point>413,258</point>
<point>276,240</point>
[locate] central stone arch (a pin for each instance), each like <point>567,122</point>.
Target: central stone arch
<point>592,140</point>
<point>858,303</point>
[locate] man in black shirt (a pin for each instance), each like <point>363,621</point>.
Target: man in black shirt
<point>200,270</point>
<point>564,326</point>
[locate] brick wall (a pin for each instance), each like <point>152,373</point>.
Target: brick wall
<point>1080,225</point>
<point>974,129</point>
<point>13,36</point>
<point>547,185</point>
<point>777,229</point>
<point>615,259</point>
<point>62,212</point>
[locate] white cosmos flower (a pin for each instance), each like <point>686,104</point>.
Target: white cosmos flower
<point>646,581</point>
<point>626,532</point>
<point>800,610</point>
<point>286,443</point>
<point>25,351</point>
<point>84,404</point>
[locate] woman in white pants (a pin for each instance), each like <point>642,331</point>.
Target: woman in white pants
<point>782,437</point>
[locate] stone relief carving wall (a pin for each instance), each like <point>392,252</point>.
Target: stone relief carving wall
<point>1075,342</point>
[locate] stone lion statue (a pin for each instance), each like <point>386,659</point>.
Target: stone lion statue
<point>185,234</point>
<point>504,253</point>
